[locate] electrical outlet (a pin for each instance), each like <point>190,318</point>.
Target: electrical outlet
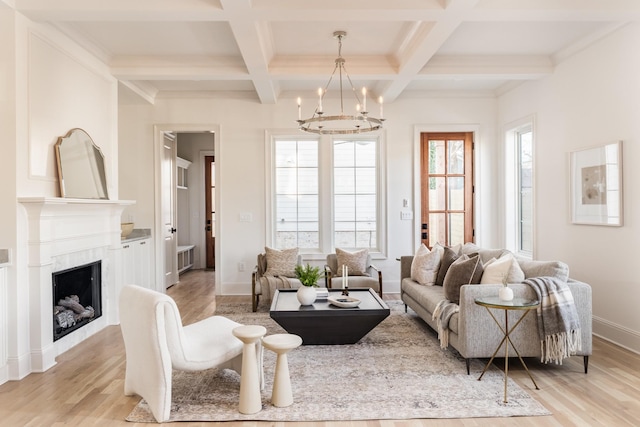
<point>406,215</point>
<point>241,267</point>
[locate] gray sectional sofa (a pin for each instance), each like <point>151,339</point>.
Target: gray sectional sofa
<point>472,332</point>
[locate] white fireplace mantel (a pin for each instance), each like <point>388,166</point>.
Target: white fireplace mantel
<point>63,233</point>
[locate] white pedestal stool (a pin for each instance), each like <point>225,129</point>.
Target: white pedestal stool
<point>250,399</point>
<point>281,344</point>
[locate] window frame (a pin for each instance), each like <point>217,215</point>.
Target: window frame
<point>326,216</point>
<point>513,186</point>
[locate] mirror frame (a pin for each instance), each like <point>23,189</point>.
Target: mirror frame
<point>81,170</point>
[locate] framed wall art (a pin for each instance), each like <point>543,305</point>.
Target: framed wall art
<point>596,185</point>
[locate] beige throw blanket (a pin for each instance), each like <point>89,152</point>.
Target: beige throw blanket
<point>277,282</point>
<point>558,322</point>
<point>442,314</point>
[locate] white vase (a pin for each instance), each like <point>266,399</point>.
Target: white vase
<point>306,295</point>
<point>505,293</point>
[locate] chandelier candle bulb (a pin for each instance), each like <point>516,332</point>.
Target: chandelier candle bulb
<point>319,100</point>
<point>380,102</point>
<point>299,109</point>
<point>364,99</point>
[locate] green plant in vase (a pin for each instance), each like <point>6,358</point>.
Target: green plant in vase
<point>308,275</point>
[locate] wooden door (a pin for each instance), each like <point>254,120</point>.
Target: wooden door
<point>210,209</point>
<point>446,168</point>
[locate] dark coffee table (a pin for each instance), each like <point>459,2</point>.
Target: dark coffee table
<point>324,323</point>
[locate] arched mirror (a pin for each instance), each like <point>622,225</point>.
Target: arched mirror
<point>81,171</point>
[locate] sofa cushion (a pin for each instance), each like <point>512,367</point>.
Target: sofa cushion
<point>424,267</point>
<point>356,262</point>
<point>464,271</point>
<point>449,255</point>
<point>281,262</point>
<point>504,268</point>
<point>485,254</point>
<point>556,269</point>
<point>427,296</point>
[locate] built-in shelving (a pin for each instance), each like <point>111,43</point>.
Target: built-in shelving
<point>182,166</point>
<point>185,257</point>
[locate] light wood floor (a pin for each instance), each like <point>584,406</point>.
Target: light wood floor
<point>86,386</point>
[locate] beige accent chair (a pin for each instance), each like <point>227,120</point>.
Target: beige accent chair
<point>156,342</point>
<point>260,283</point>
<point>372,280</point>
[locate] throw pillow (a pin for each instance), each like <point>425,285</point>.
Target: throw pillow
<point>355,261</point>
<point>557,269</point>
<point>281,262</point>
<point>424,267</point>
<point>464,271</point>
<point>505,267</point>
<point>448,257</point>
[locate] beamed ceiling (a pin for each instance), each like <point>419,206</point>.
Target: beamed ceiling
<point>270,49</point>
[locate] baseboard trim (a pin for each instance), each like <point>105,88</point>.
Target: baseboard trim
<point>617,334</point>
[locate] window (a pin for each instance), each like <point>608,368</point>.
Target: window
<point>525,190</point>
<point>325,193</point>
<point>355,193</point>
<point>519,188</point>
<point>296,194</point>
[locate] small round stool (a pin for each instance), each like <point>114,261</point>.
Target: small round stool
<point>250,399</point>
<point>281,344</point>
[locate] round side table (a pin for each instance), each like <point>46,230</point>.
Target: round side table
<point>521,304</point>
<point>281,344</point>
<point>250,399</point>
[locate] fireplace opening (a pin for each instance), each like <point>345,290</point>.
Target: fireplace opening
<point>77,298</point>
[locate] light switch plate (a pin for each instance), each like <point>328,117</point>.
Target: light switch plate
<point>406,215</point>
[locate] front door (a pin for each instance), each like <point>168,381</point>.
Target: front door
<point>210,209</point>
<point>446,168</point>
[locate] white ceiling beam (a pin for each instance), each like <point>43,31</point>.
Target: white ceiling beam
<point>488,66</point>
<point>425,43</point>
<point>254,41</point>
<point>179,67</point>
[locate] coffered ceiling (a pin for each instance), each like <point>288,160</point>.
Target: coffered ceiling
<point>270,49</point>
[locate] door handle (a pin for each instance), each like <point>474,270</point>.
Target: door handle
<point>172,230</point>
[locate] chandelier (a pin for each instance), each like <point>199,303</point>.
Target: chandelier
<point>340,124</point>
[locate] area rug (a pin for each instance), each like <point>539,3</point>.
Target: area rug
<point>397,371</point>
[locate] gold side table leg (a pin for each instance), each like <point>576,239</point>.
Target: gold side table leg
<point>506,340</point>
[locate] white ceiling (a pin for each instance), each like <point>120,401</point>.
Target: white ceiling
<point>269,49</point>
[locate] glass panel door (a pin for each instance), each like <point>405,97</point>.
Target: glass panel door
<point>447,188</point>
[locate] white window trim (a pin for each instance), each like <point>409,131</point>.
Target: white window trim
<point>511,190</point>
<point>325,188</point>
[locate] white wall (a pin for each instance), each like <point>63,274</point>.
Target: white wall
<point>51,86</point>
<point>590,100</point>
<point>241,164</point>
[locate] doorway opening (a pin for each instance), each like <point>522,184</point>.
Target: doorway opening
<point>181,211</point>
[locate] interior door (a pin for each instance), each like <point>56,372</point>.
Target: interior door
<point>210,209</point>
<point>168,210</point>
<point>446,164</point>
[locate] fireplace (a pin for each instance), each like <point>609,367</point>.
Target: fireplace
<point>77,298</point>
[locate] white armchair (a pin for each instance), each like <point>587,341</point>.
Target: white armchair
<point>156,342</point>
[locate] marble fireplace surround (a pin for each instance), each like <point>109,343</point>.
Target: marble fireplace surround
<point>65,233</point>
